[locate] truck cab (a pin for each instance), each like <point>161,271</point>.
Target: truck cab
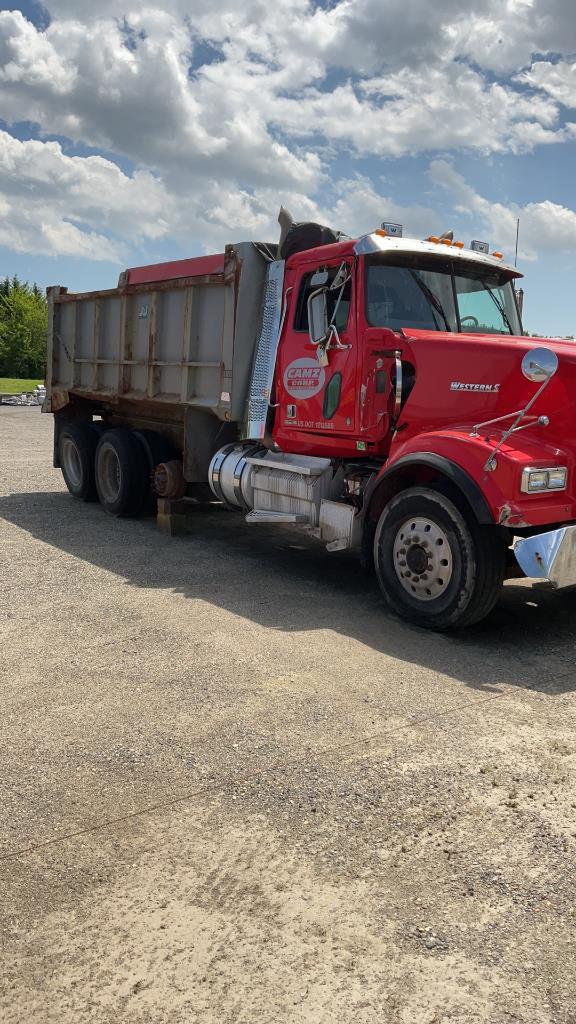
<point>407,360</point>
<point>334,394</point>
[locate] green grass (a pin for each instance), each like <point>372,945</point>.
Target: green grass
<point>15,386</point>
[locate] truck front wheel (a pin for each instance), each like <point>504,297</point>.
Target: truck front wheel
<point>122,475</point>
<point>435,568</point>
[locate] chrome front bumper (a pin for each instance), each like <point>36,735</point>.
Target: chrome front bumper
<point>549,556</point>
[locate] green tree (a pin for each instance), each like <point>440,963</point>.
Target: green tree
<point>23,329</point>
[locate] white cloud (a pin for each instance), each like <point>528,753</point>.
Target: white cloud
<point>359,207</point>
<point>366,35</point>
<point>544,226</point>
<point>141,102</point>
<point>422,110</point>
<point>503,35</point>
<point>24,231</point>
<point>557,80</point>
<point>220,134</point>
<point>28,57</point>
<point>57,204</point>
<point>127,87</point>
<point>53,203</point>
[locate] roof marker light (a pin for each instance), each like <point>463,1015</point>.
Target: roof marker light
<point>459,245</point>
<point>381,232</point>
<point>497,255</point>
<point>433,238</point>
<point>390,228</point>
<point>445,241</point>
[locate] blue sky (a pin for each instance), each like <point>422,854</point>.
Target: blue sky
<point>131,134</point>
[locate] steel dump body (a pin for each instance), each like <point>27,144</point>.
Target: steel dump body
<point>155,350</point>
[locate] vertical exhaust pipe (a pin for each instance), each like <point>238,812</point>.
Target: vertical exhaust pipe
<point>285,220</point>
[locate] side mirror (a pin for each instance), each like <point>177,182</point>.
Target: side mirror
<point>317,317</point>
<point>539,364</point>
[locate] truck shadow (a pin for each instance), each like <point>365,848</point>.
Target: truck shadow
<point>285,581</point>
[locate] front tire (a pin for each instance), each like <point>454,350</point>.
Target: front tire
<point>435,568</point>
<point>122,477</point>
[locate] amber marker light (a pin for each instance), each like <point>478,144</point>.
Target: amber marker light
<point>445,241</point>
<point>498,255</point>
<point>381,232</point>
<point>459,245</point>
<point>432,238</point>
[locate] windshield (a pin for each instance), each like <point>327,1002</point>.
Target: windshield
<point>437,295</point>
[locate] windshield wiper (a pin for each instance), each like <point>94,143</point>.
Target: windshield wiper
<point>499,306</point>
<point>435,302</point>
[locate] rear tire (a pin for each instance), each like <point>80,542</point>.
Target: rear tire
<point>435,568</point>
<point>122,478</point>
<point>76,451</point>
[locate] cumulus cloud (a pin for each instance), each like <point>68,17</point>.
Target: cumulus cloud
<point>127,85</point>
<point>557,80</point>
<point>225,110</point>
<point>419,110</point>
<point>358,207</point>
<point>366,35</point>
<point>543,226</point>
<point>55,204</point>
<point>134,96</point>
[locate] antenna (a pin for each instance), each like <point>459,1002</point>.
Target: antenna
<point>517,235</point>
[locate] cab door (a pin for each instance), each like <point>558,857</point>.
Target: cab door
<point>380,377</point>
<point>317,394</point>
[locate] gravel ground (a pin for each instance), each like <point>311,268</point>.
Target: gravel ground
<point>236,791</point>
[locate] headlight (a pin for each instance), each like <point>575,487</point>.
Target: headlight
<point>553,479</point>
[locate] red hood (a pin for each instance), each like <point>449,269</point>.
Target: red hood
<point>463,379</point>
<point>520,342</point>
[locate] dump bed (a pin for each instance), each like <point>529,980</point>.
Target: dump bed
<point>178,342</point>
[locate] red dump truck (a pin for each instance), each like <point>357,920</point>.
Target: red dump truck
<point>376,392</point>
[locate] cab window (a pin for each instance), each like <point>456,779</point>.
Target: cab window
<point>410,296</point>
<point>342,312</point>
<point>486,304</point>
<point>438,295</point>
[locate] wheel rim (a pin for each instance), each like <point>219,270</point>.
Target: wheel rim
<point>71,462</point>
<point>423,558</point>
<point>109,473</point>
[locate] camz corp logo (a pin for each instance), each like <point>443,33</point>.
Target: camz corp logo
<point>457,385</point>
<point>304,378</point>
<point>301,377</point>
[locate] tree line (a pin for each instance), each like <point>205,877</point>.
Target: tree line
<point>23,329</point>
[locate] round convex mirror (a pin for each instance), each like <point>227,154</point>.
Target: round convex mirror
<point>539,364</point>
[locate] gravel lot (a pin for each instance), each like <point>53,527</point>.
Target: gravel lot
<point>236,791</point>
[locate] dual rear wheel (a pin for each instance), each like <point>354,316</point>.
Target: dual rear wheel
<point>111,466</point>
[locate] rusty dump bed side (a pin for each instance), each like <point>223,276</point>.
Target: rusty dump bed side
<point>157,349</point>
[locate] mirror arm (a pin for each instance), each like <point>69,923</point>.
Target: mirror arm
<point>325,345</point>
<point>490,464</point>
<point>333,333</point>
